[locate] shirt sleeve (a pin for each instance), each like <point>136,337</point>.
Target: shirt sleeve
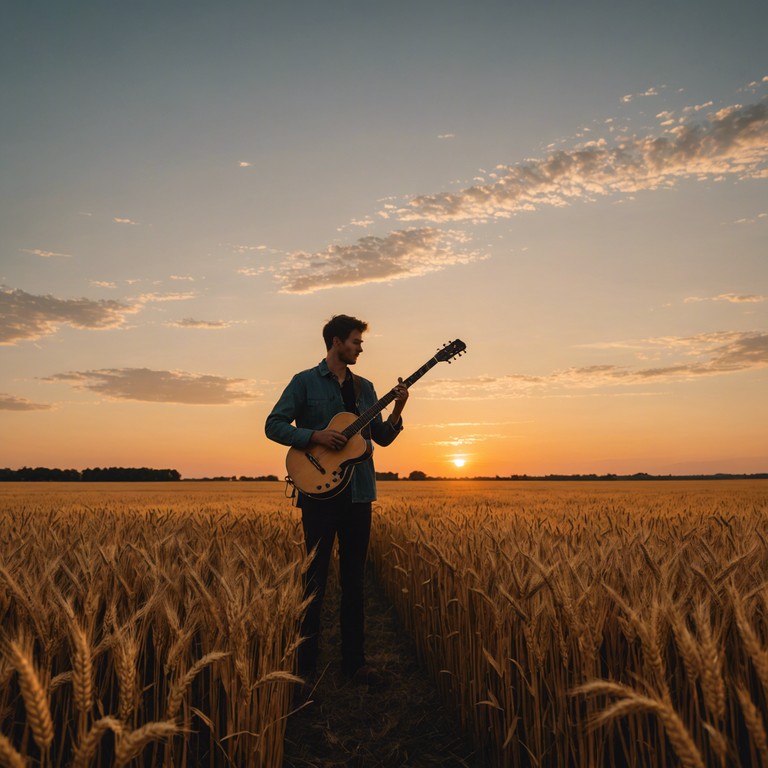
<point>279,425</point>
<point>382,431</point>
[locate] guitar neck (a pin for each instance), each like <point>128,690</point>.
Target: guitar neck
<point>365,418</point>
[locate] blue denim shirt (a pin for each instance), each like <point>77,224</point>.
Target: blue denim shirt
<point>311,399</point>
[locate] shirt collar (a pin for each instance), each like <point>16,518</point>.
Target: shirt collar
<point>326,371</point>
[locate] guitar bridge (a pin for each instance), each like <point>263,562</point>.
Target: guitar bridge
<point>315,463</point>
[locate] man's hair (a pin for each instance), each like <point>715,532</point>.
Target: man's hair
<point>342,326</point>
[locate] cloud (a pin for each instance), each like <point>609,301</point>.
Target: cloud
<point>46,254</point>
<point>363,223</point>
<point>446,135</point>
<point>125,221</point>
<point>24,316</point>
<point>630,96</point>
<point>400,254</point>
<point>188,322</point>
<point>732,141</point>
<point>467,440</point>
<point>252,271</point>
<point>11,403</point>
<point>703,355</point>
<point>246,248</point>
<point>732,298</point>
<point>145,385</point>
<point>244,164</point>
<point>752,220</point>
<point>147,298</point>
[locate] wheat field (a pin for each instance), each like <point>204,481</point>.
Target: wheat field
<point>591,624</point>
<point>586,624</point>
<point>147,622</point>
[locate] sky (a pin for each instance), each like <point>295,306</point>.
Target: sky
<point>578,191</point>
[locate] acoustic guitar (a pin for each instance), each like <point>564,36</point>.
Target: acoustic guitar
<point>321,472</point>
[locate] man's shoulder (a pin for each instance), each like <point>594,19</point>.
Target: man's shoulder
<point>308,373</point>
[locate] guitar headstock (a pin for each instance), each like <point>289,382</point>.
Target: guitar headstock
<point>450,350</point>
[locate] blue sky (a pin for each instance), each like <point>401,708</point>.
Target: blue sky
<point>190,190</point>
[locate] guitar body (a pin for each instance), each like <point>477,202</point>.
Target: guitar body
<point>322,473</point>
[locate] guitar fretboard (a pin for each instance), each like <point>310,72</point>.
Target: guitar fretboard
<point>365,418</point>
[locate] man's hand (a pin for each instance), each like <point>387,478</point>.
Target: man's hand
<point>401,397</point>
<point>330,438</point>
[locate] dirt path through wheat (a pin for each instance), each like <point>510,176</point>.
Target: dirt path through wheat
<point>402,724</point>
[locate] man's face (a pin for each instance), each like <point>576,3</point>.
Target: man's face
<point>349,350</point>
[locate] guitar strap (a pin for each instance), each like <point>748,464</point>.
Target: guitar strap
<point>366,432</point>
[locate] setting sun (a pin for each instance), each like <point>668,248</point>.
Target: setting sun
<point>459,461</point>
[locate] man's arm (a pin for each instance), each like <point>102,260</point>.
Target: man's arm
<point>384,432</point>
<point>401,397</point>
<point>279,425</point>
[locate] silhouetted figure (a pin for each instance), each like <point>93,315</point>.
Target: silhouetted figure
<point>300,419</point>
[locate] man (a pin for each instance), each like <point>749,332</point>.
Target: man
<point>299,419</point>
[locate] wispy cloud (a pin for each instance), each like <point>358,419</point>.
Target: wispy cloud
<point>11,403</point>
<point>649,92</point>
<point>145,385</point>
<point>46,254</point>
<point>400,254</point>
<point>703,355</point>
<point>732,141</point>
<point>753,219</point>
<point>252,271</point>
<point>189,322</point>
<point>467,440</point>
<point>246,248</point>
<point>446,135</point>
<point>147,298</point>
<point>363,223</point>
<point>732,298</point>
<point>26,317</point>
<point>131,222</point>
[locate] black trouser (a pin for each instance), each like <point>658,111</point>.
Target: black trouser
<point>323,521</point>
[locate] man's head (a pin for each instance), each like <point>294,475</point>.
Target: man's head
<point>339,327</point>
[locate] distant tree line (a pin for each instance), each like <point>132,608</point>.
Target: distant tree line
<point>234,478</point>
<point>97,474</point>
<point>417,474</point>
<point>146,474</point>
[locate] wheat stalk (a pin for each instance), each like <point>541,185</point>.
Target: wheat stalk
<point>8,754</point>
<point>82,670</point>
<point>86,749</point>
<point>688,648</point>
<point>632,701</point>
<point>754,721</point>
<point>126,653</point>
<point>130,744</point>
<point>35,700</point>
<point>757,653</point>
<point>711,675</point>
<point>181,685</point>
